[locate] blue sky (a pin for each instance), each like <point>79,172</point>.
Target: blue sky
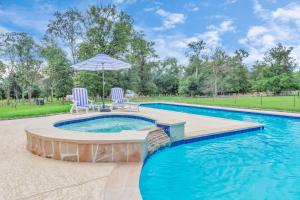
<point>254,25</point>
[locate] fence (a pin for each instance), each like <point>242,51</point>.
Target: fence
<point>288,100</point>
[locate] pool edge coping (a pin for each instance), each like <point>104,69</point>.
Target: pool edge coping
<point>234,109</point>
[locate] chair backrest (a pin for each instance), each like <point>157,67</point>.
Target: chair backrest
<point>80,96</point>
<point>117,95</point>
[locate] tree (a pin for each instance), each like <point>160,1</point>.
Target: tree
<point>275,73</point>
<point>23,62</point>
<point>217,64</point>
<point>280,60</point>
<point>167,76</point>
<point>2,79</point>
<point>194,53</point>
<point>142,56</point>
<point>8,43</point>
<point>236,73</point>
<point>68,27</point>
<point>107,31</point>
<point>90,80</point>
<point>58,70</point>
<point>29,63</point>
<point>2,71</point>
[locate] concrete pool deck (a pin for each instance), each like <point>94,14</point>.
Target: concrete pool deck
<point>199,125</point>
<point>26,176</point>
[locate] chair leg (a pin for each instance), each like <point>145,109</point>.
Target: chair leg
<point>72,110</point>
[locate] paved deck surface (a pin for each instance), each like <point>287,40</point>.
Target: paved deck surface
<point>197,125</point>
<point>25,176</point>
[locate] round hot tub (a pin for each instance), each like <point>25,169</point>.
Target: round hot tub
<point>113,137</point>
<point>107,124</point>
<point>97,138</point>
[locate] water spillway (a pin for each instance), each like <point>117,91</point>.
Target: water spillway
<point>157,139</point>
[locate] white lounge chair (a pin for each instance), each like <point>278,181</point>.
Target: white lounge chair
<point>81,101</point>
<point>118,100</point>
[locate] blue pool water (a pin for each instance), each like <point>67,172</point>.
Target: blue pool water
<point>262,164</point>
<point>107,124</point>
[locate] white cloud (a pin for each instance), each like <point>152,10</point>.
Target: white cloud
<point>213,36</point>
<point>150,9</point>
<point>230,2</point>
<point>255,31</point>
<point>170,20</point>
<point>118,2</point>
<point>259,10</point>
<point>278,26</point>
<point>167,46</point>
<point>290,13</point>
<point>225,26</point>
<point>191,6</point>
<point>176,45</point>
<point>3,29</point>
<point>24,18</point>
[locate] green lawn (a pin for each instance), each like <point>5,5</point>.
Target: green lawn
<point>29,110</point>
<point>284,103</point>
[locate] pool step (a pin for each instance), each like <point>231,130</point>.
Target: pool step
<point>157,138</point>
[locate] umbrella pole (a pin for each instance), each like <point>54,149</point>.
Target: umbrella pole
<point>103,105</point>
<point>103,109</point>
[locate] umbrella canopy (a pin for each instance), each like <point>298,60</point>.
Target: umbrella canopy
<point>101,62</point>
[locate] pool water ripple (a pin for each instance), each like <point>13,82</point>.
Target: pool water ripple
<point>108,124</point>
<point>262,164</point>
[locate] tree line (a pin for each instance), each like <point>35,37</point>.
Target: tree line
<point>31,68</point>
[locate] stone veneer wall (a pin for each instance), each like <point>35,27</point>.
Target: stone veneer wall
<point>91,152</point>
<point>157,139</point>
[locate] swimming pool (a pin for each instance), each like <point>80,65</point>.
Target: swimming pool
<point>107,124</point>
<point>262,164</point>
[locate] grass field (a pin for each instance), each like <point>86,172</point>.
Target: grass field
<point>282,103</point>
<point>30,110</point>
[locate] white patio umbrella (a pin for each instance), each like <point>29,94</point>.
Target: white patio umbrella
<point>101,62</point>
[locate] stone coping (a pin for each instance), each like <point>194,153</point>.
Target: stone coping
<point>47,130</point>
<point>219,132</point>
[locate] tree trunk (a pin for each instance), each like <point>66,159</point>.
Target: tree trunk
<point>142,77</point>
<point>29,94</point>
<point>16,94</point>
<point>23,94</point>
<point>215,87</point>
<point>63,100</point>
<point>8,96</point>
<point>215,82</point>
<point>73,51</point>
<point>51,98</point>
